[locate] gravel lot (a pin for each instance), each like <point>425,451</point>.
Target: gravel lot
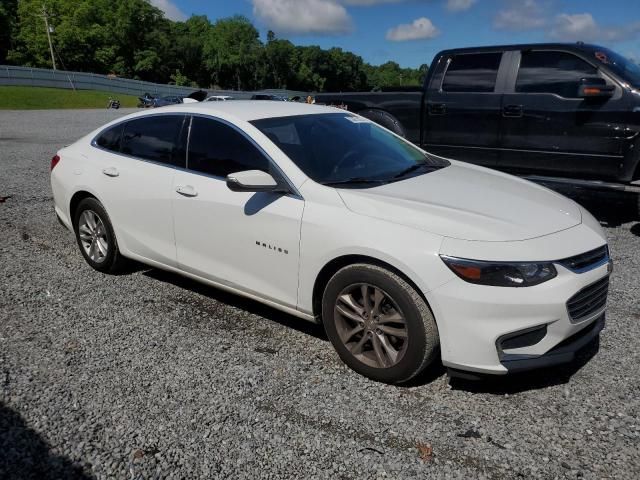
<point>148,375</point>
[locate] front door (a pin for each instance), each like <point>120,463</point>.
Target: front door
<point>463,109</point>
<point>547,129</point>
<point>247,241</point>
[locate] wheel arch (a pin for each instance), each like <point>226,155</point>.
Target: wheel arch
<point>75,200</point>
<point>636,173</point>
<point>384,118</point>
<point>334,265</point>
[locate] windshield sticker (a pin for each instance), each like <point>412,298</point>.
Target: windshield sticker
<point>357,119</point>
<point>602,57</point>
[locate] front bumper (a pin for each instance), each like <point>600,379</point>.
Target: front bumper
<point>499,330</point>
<point>564,352</point>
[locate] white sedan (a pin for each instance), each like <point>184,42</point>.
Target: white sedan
<point>405,258</point>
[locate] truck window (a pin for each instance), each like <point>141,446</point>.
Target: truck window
<point>472,72</point>
<point>552,72</point>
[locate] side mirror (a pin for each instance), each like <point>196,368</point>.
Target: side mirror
<point>595,87</point>
<point>253,181</point>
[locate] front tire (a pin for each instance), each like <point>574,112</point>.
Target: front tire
<point>96,238</point>
<point>379,325</point>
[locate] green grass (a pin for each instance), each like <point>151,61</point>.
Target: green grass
<point>37,98</point>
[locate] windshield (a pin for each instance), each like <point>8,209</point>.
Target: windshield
<point>341,149</point>
<point>624,68</point>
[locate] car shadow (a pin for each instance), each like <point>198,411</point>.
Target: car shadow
<point>24,454</point>
<point>491,384</point>
<point>258,201</point>
<point>526,381</point>
<point>237,301</point>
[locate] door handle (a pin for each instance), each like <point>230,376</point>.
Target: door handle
<point>111,172</point>
<point>187,191</point>
<point>437,108</point>
<point>512,111</point>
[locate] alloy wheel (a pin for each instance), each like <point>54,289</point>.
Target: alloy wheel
<point>93,236</point>
<point>370,325</point>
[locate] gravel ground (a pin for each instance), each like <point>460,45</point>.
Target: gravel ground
<point>147,375</point>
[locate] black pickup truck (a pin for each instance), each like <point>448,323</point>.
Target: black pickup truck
<point>566,114</point>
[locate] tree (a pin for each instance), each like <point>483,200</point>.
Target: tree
<point>8,22</point>
<point>232,53</point>
<point>279,58</point>
<point>132,38</point>
<point>189,39</point>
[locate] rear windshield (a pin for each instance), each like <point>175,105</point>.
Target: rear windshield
<point>344,149</point>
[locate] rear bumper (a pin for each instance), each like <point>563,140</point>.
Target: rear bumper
<point>564,352</point>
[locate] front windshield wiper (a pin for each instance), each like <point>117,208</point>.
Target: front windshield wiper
<point>353,180</point>
<point>413,168</point>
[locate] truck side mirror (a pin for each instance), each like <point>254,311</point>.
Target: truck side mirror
<point>595,87</point>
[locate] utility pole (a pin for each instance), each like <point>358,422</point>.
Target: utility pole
<point>45,15</point>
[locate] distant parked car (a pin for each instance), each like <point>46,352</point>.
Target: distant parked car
<point>219,98</point>
<point>197,96</point>
<point>168,100</point>
<point>268,96</point>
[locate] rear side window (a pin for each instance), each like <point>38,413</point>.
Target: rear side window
<point>552,72</point>
<point>110,138</point>
<point>218,149</point>
<point>155,138</point>
<point>472,72</point>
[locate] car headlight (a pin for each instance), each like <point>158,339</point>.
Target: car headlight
<point>501,274</point>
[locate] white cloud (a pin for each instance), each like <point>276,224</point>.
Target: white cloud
<point>367,3</point>
<point>459,5</point>
<point>582,26</point>
<point>527,15</point>
<point>419,28</point>
<point>170,10</point>
<point>303,16</point>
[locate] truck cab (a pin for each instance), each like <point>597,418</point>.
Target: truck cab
<point>567,113</point>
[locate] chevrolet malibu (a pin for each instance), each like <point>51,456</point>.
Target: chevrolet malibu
<point>406,258</point>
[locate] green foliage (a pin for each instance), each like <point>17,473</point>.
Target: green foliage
<point>132,38</point>
<point>36,98</point>
<point>182,80</point>
<point>8,21</point>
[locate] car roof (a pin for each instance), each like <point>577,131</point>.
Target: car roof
<point>249,110</point>
<point>524,46</point>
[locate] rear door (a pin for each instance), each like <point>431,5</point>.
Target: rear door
<point>463,108</point>
<point>548,130</point>
<point>137,161</point>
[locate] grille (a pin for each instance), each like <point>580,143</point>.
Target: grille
<point>589,300</point>
<point>586,261</point>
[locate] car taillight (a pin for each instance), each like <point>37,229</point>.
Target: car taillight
<point>54,161</point>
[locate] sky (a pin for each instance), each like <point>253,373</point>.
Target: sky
<point>411,32</point>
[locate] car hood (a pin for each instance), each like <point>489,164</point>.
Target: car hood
<point>469,203</point>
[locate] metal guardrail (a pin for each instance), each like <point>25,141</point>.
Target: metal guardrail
<point>42,77</point>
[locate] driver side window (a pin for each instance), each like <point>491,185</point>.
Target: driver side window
<point>218,149</point>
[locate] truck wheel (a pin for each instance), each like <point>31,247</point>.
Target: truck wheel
<point>385,119</point>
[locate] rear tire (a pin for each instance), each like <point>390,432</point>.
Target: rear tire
<point>96,238</point>
<point>385,119</point>
<point>379,325</point>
